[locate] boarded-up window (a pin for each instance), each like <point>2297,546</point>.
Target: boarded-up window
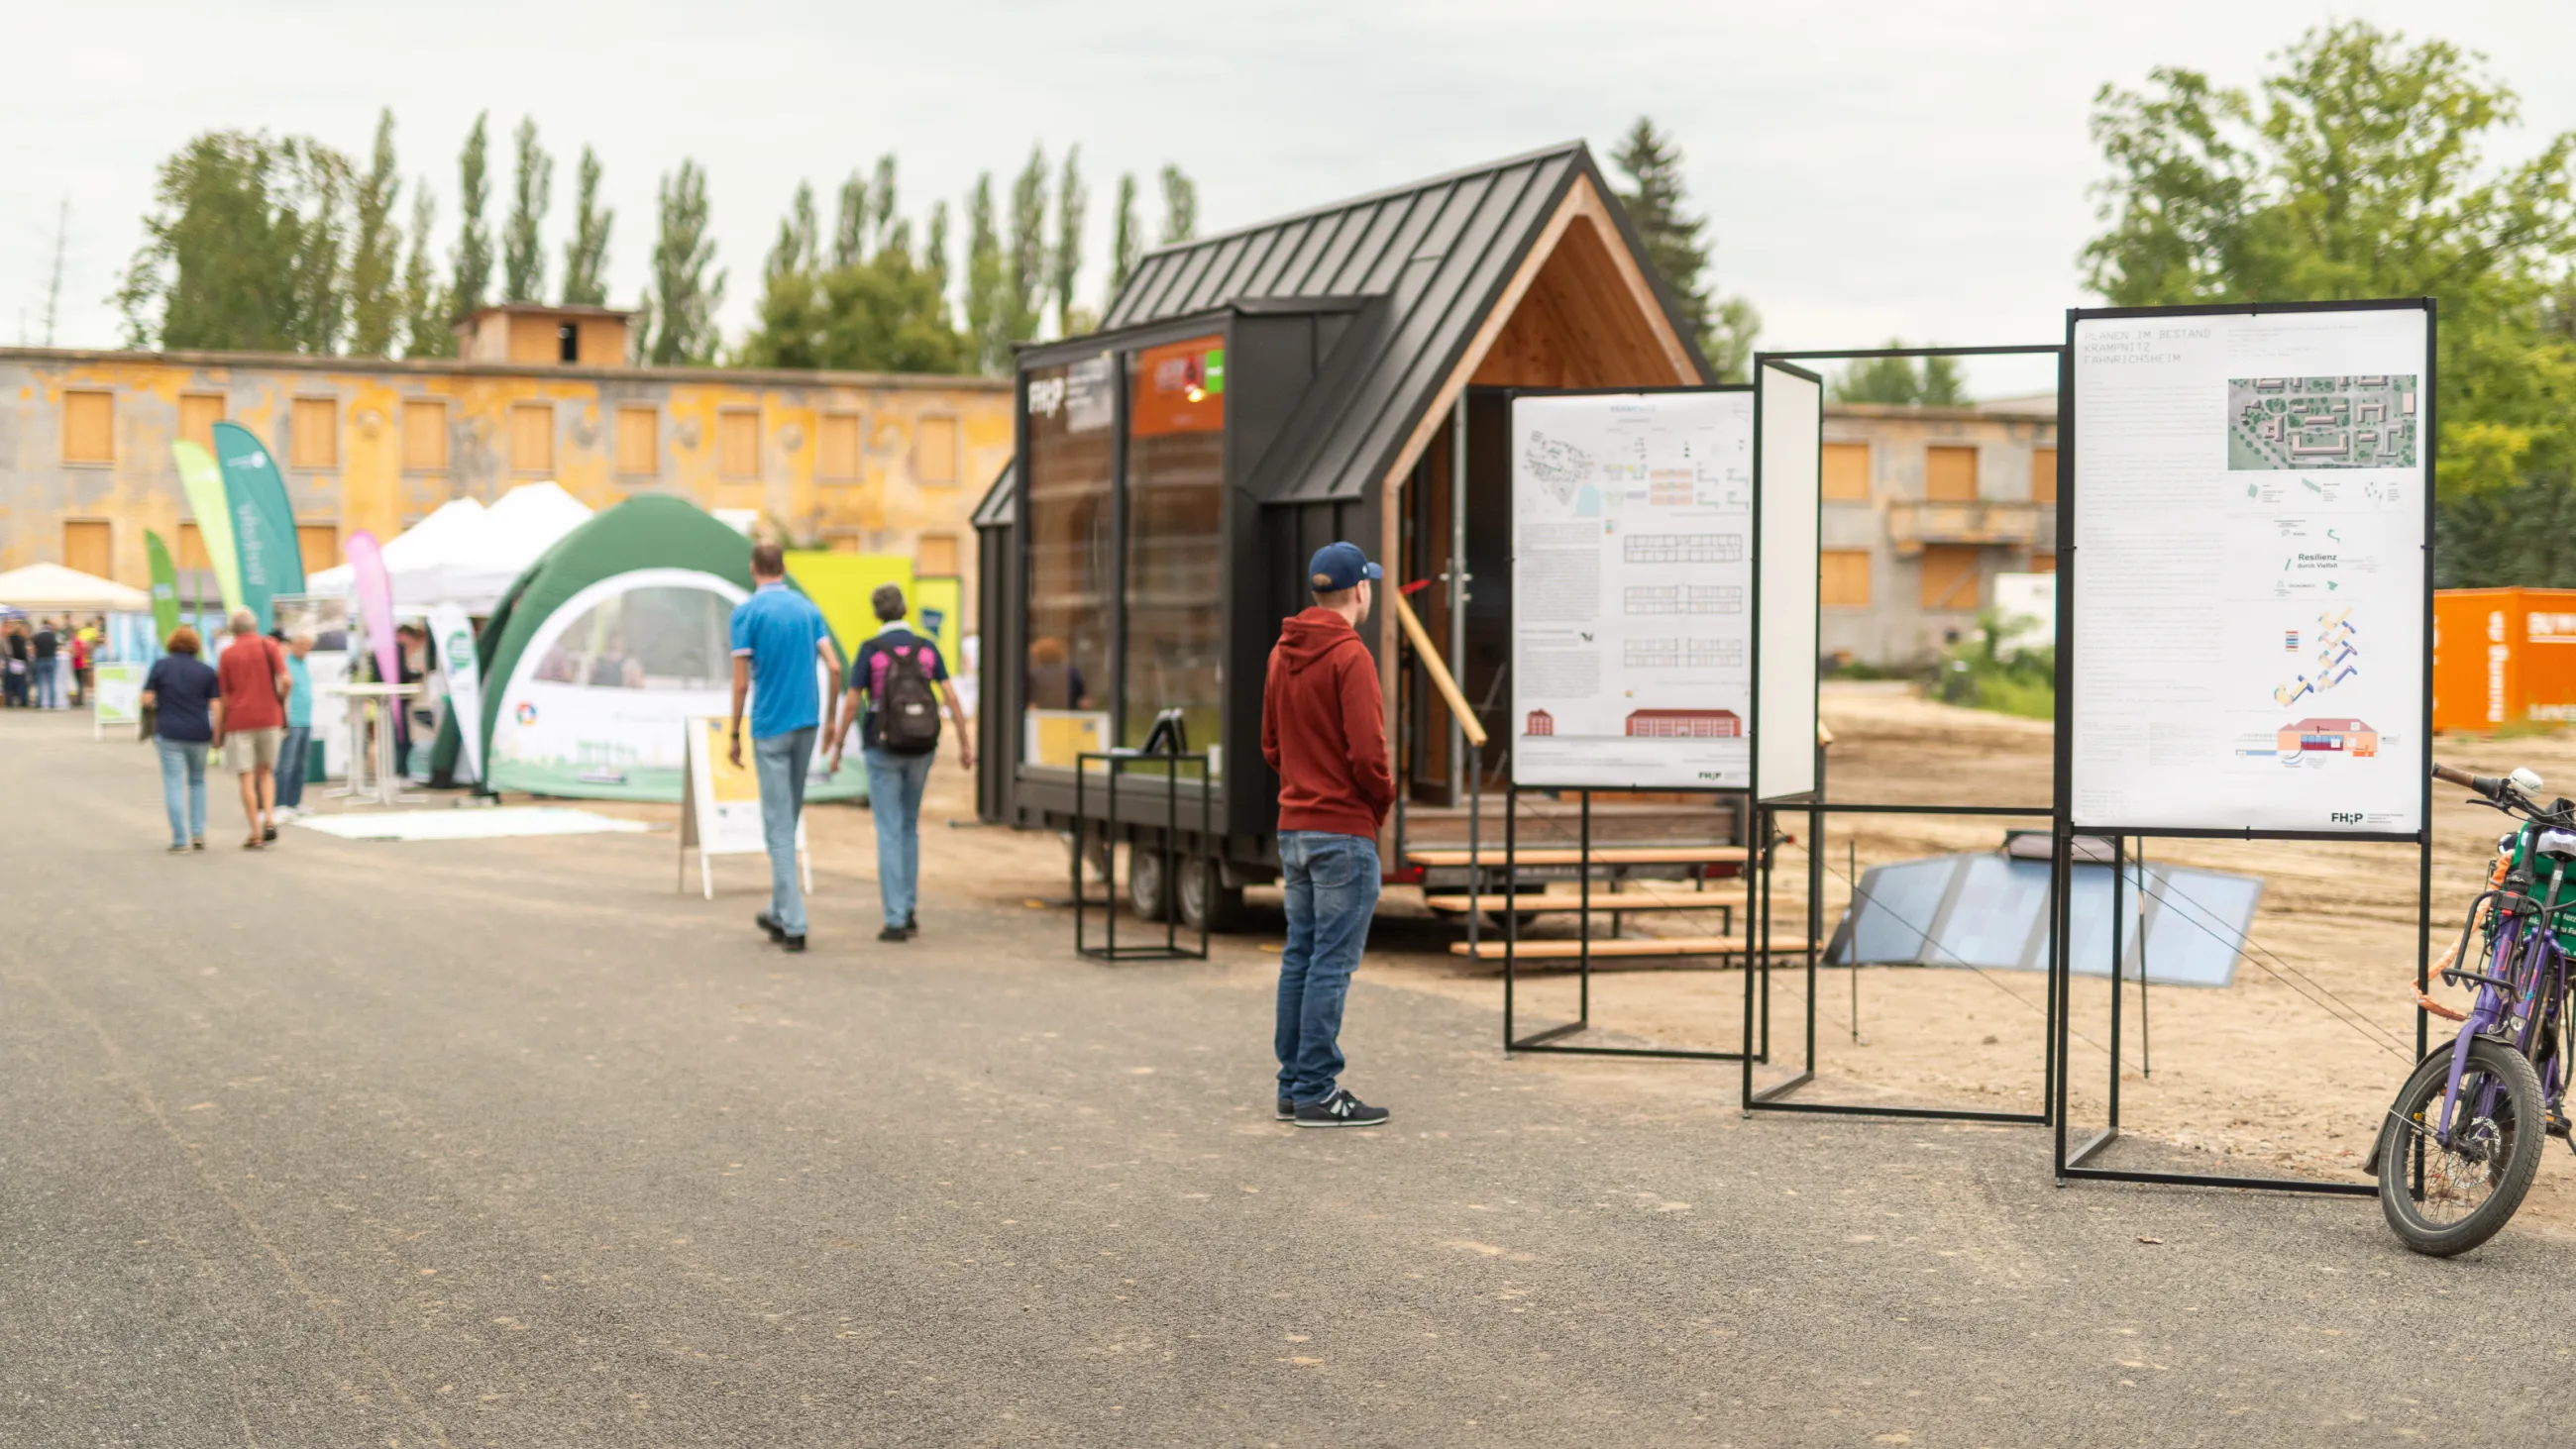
<point>2043,475</point>
<point>936,558</point>
<point>424,435</point>
<point>85,546</point>
<point>934,449</point>
<point>198,414</point>
<point>89,427</point>
<point>1950,475</point>
<point>1844,582</point>
<point>192,549</point>
<point>316,432</point>
<point>837,447</point>
<point>738,443</point>
<point>320,545</point>
<point>532,437</point>
<point>1847,472</point>
<point>2043,563</point>
<point>639,441</point>
<point>1950,577</point>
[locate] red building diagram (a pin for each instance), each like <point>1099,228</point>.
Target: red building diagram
<point>1540,722</point>
<point>2334,736</point>
<point>1685,724</point>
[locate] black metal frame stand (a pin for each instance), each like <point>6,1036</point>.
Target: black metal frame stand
<point>1116,762</point>
<point>2071,1165</point>
<point>1757,857</point>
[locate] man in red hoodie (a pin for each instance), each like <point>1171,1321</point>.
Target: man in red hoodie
<point>1323,729</point>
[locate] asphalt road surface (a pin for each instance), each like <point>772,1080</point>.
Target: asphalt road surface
<point>508,1143</point>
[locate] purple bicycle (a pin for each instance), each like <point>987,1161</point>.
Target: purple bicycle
<point>2462,1144</point>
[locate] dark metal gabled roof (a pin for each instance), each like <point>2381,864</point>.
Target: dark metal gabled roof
<point>1001,504</point>
<point>1430,260</point>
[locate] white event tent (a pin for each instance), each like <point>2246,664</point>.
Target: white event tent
<point>467,554</point>
<point>38,588</point>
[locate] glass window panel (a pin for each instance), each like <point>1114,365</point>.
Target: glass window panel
<point>1175,539</point>
<point>1071,567</point>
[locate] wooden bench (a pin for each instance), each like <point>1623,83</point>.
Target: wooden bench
<point>1626,947</point>
<point>1562,855</point>
<point>1614,904</point>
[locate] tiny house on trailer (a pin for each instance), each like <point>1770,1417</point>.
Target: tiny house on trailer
<point>1342,373</point>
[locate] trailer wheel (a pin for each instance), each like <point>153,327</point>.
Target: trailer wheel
<point>1207,902</point>
<point>1149,886</point>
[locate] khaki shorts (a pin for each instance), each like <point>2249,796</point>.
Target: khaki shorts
<point>248,750</point>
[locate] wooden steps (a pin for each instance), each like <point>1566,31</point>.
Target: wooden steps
<point>1622,902</point>
<point>1492,855</point>
<point>1557,949</point>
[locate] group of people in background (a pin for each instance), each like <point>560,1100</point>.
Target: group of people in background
<point>255,704</point>
<point>47,664</point>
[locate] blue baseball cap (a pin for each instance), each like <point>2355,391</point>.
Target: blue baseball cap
<point>1339,566</point>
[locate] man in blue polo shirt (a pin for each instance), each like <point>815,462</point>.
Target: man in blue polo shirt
<point>777,636</point>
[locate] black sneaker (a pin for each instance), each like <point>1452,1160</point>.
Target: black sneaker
<point>1287,1110</point>
<point>912,925</point>
<point>769,923</point>
<point>267,834</point>
<point>791,943</point>
<point>1340,1110</point>
<point>894,933</point>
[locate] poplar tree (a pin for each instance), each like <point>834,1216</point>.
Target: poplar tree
<point>375,298</point>
<point>1072,205</point>
<point>523,256</point>
<point>852,223</point>
<point>1180,206</point>
<point>680,307</point>
<point>1126,237</point>
<point>426,313</point>
<point>585,281</point>
<point>473,259</point>
<point>1026,309</point>
<point>987,282</point>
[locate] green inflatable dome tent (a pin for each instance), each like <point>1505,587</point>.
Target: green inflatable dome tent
<point>599,654</point>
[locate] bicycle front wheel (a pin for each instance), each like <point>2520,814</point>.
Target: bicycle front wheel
<point>2471,1187</point>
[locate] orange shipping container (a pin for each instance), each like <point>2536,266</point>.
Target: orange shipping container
<point>2501,656</point>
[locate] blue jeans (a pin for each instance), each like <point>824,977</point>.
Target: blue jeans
<point>1332,884</point>
<point>894,797</point>
<point>290,766</point>
<point>781,761</point>
<point>183,787</point>
<point>49,684</point>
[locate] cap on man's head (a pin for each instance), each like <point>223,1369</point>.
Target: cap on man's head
<point>1339,566</point>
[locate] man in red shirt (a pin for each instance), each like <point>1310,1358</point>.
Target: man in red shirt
<point>250,720</point>
<point>1323,729</point>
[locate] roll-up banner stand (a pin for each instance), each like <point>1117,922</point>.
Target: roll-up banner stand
<point>1633,649</point>
<point>2245,599</point>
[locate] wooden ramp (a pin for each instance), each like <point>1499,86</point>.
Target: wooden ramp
<point>1627,947</point>
<point>1492,855</point>
<point>1613,902</point>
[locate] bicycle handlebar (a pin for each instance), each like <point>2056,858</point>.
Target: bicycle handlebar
<point>2491,786</point>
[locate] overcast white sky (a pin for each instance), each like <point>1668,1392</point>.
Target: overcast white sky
<point>1869,169</point>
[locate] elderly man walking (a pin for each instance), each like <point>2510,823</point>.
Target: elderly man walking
<point>255,685</point>
<point>778,635</point>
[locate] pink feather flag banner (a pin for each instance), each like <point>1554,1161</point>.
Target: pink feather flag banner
<point>375,602</point>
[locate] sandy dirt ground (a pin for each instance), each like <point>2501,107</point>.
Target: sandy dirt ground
<point>2289,1070</point>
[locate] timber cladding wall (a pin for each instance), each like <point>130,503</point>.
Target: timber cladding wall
<point>864,462</point>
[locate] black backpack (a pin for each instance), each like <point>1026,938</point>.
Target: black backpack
<point>907,708</point>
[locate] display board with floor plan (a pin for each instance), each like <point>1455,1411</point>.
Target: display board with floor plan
<point>2250,517</point>
<point>1632,577</point>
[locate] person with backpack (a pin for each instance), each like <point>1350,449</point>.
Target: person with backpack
<point>899,676</point>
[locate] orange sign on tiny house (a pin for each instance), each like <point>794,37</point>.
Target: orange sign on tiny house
<point>2503,656</point>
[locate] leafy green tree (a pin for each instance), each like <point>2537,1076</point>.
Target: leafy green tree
<point>585,281</point>
<point>1025,309</point>
<point>679,321</point>
<point>1180,206</point>
<point>244,248</point>
<point>523,251</point>
<point>1072,207</point>
<point>934,256</point>
<point>426,313</point>
<point>890,228</point>
<point>473,261</point>
<point>850,225</point>
<point>1126,237</point>
<point>884,314</point>
<point>1654,199</point>
<point>2361,172</point>
<point>988,283</point>
<point>1903,381</point>
<point>793,252</point>
<point>375,295</point>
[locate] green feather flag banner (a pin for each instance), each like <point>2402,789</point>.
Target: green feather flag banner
<point>271,562</point>
<point>204,483</point>
<point>165,588</point>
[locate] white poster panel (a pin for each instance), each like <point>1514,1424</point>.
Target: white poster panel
<point>720,802</point>
<point>1631,584</point>
<point>2249,570</point>
<point>453,635</point>
<point>116,696</point>
<point>1792,405</point>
